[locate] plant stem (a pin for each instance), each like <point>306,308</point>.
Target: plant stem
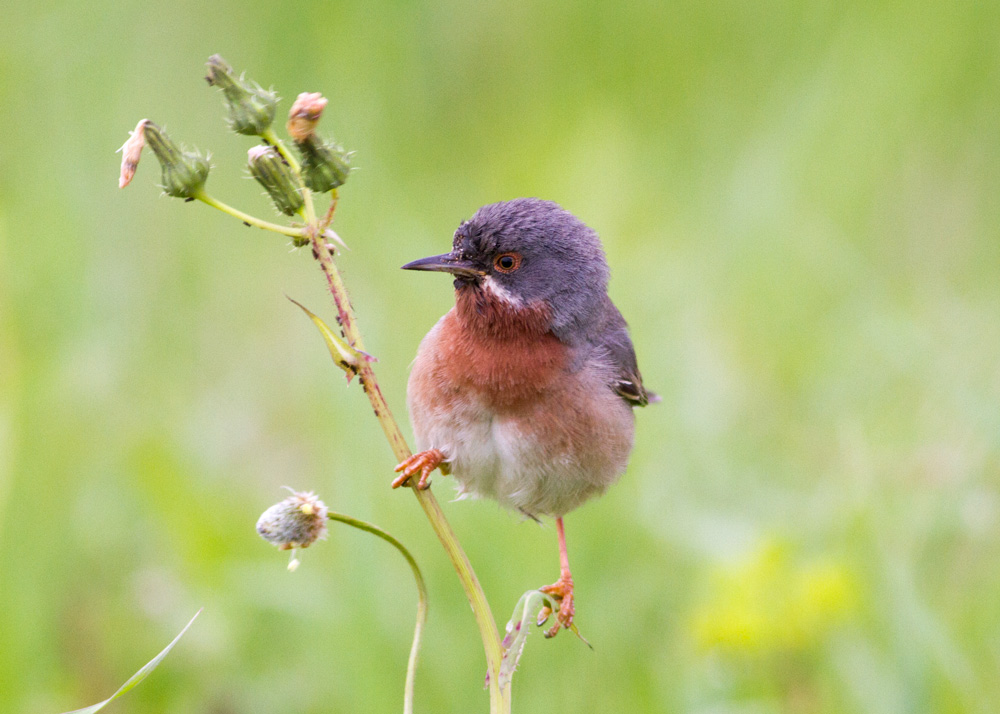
<point>308,209</point>
<point>499,698</point>
<point>271,138</point>
<point>248,219</point>
<point>313,231</point>
<point>411,666</point>
<point>325,223</point>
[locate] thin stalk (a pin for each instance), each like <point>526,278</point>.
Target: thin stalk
<point>248,219</point>
<point>328,218</point>
<point>411,666</point>
<point>309,210</point>
<point>499,698</point>
<point>271,138</point>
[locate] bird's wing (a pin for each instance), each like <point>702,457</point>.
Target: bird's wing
<point>615,343</point>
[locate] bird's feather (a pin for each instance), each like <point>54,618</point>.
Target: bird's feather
<point>612,340</point>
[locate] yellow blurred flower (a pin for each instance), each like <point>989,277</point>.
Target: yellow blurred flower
<point>770,603</point>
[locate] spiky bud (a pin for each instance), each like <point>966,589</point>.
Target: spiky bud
<point>297,522</point>
<point>304,115</point>
<point>183,172</point>
<point>325,165</point>
<point>271,172</point>
<point>251,108</point>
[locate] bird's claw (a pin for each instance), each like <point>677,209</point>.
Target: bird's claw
<point>562,592</point>
<point>422,463</point>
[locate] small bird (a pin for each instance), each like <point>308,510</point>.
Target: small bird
<point>524,390</point>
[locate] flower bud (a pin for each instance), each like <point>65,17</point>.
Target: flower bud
<point>271,172</point>
<point>296,522</point>
<point>184,172</point>
<point>251,108</point>
<point>324,164</point>
<point>304,115</point>
<point>131,151</point>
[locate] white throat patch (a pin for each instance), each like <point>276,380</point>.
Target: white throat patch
<point>501,293</point>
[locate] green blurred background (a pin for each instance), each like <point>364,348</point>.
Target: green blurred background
<point>799,205</point>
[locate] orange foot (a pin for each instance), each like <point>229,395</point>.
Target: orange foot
<point>562,591</point>
<point>422,463</point>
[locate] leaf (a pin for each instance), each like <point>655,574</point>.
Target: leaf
<point>138,676</point>
<point>517,632</point>
<point>344,356</point>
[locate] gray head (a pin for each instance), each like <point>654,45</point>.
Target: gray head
<point>528,250</point>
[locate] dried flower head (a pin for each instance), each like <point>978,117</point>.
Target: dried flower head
<point>304,115</point>
<point>297,522</point>
<point>131,151</point>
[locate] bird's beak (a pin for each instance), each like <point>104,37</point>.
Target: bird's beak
<point>446,263</point>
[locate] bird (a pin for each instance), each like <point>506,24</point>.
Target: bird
<point>524,390</point>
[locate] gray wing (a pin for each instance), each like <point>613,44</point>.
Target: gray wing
<point>613,340</point>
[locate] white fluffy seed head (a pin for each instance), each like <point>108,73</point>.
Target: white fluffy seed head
<point>297,522</point>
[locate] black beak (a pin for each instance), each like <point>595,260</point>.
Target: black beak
<point>446,263</point>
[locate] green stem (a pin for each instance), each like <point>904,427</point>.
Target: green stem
<point>309,210</point>
<point>248,219</point>
<point>411,667</point>
<point>499,698</point>
<point>271,138</point>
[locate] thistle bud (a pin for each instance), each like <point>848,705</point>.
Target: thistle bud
<point>271,172</point>
<point>325,165</point>
<point>304,115</point>
<point>251,108</point>
<point>297,522</point>
<point>184,172</point>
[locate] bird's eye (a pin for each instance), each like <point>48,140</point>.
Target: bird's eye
<point>507,262</point>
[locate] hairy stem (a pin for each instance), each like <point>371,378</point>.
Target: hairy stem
<point>411,666</point>
<point>499,699</point>
<point>271,138</point>
<point>313,231</point>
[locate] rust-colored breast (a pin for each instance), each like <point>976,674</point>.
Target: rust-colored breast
<point>504,354</point>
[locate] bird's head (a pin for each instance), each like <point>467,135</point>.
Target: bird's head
<point>528,253</point>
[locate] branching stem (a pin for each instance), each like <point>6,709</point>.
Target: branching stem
<point>313,232</point>
<point>248,219</point>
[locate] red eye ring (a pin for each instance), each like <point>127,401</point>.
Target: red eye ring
<point>507,262</point>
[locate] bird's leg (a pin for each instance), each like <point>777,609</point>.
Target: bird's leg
<point>561,590</point>
<point>423,463</point>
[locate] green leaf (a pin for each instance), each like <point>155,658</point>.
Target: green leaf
<point>344,356</point>
<point>138,676</point>
<point>517,632</point>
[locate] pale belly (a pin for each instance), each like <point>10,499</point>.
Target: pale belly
<point>544,459</point>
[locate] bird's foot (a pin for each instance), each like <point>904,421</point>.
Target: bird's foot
<point>422,463</point>
<point>562,592</point>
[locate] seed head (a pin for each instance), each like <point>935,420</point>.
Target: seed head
<point>297,522</point>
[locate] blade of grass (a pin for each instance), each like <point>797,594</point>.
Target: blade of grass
<point>138,676</point>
